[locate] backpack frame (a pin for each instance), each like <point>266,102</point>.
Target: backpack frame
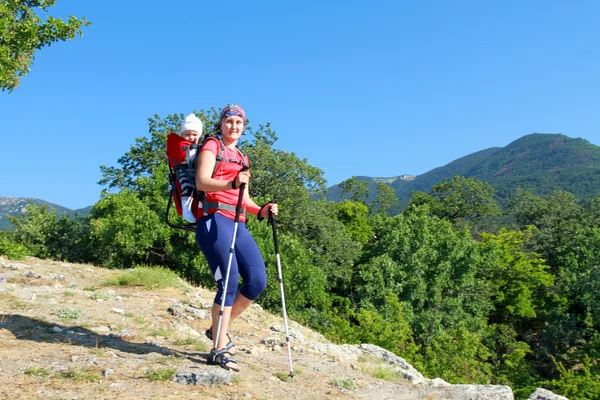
<point>199,197</point>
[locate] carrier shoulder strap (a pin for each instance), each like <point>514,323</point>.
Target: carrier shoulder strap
<point>206,205</point>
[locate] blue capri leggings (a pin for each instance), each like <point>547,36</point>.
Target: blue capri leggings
<point>214,233</point>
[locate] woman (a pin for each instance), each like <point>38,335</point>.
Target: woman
<point>214,231</point>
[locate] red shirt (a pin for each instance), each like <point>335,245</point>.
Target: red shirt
<point>226,171</point>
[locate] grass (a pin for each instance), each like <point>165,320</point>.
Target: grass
<point>90,288</point>
<point>164,332</point>
<point>68,313</point>
<point>184,342</point>
<point>160,374</point>
<point>201,346</point>
<point>37,371</point>
<point>99,296</point>
<point>79,375</point>
<point>68,293</point>
<point>146,277</point>
<point>284,376</point>
<point>347,384</point>
<point>369,359</point>
<point>381,372</point>
<point>14,302</point>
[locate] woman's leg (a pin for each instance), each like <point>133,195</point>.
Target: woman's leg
<point>251,267</point>
<point>214,234</point>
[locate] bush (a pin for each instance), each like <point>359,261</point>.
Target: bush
<point>12,250</point>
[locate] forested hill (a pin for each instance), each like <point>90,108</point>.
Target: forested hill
<point>539,162</point>
<point>15,205</point>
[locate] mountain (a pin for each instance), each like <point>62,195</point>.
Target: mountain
<point>12,206</point>
<point>538,162</point>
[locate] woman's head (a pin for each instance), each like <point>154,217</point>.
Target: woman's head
<point>232,122</point>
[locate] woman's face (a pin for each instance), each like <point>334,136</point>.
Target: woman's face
<point>232,128</point>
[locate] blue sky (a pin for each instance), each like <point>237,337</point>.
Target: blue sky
<point>375,88</point>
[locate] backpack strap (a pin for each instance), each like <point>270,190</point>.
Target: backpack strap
<point>206,205</point>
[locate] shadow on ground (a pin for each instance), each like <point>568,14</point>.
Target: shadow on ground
<point>32,329</point>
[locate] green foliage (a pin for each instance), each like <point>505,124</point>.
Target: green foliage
<point>10,249</point>
<point>577,383</point>
<point>326,239</point>
<point>68,313</point>
<point>463,201</point>
<point>304,283</point>
<point>358,190</point>
<point>355,217</point>
<point>147,278</point>
<point>456,355</point>
<point>46,236</point>
<point>386,198</point>
<point>126,231</point>
<point>347,384</point>
<point>165,374</point>
<point>79,375</point>
<point>513,276</point>
<point>277,174</point>
<point>23,32</point>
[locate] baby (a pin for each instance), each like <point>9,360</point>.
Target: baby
<point>181,155</point>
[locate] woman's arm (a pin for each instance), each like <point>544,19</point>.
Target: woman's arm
<point>258,211</point>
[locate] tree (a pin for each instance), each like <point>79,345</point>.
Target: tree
<point>358,189</point>
<point>354,216</point>
<point>462,201</point>
<point>386,198</point>
<point>23,32</point>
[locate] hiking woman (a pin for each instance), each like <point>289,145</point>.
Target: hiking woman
<point>214,231</point>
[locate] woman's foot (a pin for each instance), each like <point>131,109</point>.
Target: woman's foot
<point>230,347</point>
<point>223,359</point>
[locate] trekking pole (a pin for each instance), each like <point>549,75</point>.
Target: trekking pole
<point>285,322</point>
<point>236,222</point>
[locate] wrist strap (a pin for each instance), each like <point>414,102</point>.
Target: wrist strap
<point>233,184</point>
<point>260,218</point>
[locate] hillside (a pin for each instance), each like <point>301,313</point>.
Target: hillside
<point>12,206</point>
<point>65,333</point>
<point>537,162</point>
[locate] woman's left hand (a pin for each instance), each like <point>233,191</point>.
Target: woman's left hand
<point>270,207</point>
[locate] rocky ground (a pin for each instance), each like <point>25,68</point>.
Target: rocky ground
<point>65,334</point>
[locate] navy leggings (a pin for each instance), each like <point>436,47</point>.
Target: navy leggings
<point>214,233</point>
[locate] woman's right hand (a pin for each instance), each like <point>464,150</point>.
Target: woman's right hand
<point>243,177</point>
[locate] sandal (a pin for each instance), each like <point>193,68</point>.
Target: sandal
<point>222,359</point>
<point>230,347</point>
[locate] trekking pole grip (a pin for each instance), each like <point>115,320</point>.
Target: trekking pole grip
<point>274,225</point>
<point>238,209</point>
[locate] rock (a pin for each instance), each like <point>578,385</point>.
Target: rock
<point>181,327</point>
<point>543,394</point>
<point>437,382</point>
<point>479,392</point>
<point>31,274</point>
<point>204,377</point>
<point>56,329</point>
<point>406,370</point>
<point>293,333</point>
<point>124,334</point>
<point>100,330</point>
<point>272,342</point>
<point>118,310</point>
<point>107,372</point>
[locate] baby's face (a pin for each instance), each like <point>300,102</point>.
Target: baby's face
<point>191,136</point>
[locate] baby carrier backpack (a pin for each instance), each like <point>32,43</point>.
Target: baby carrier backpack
<point>183,162</point>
